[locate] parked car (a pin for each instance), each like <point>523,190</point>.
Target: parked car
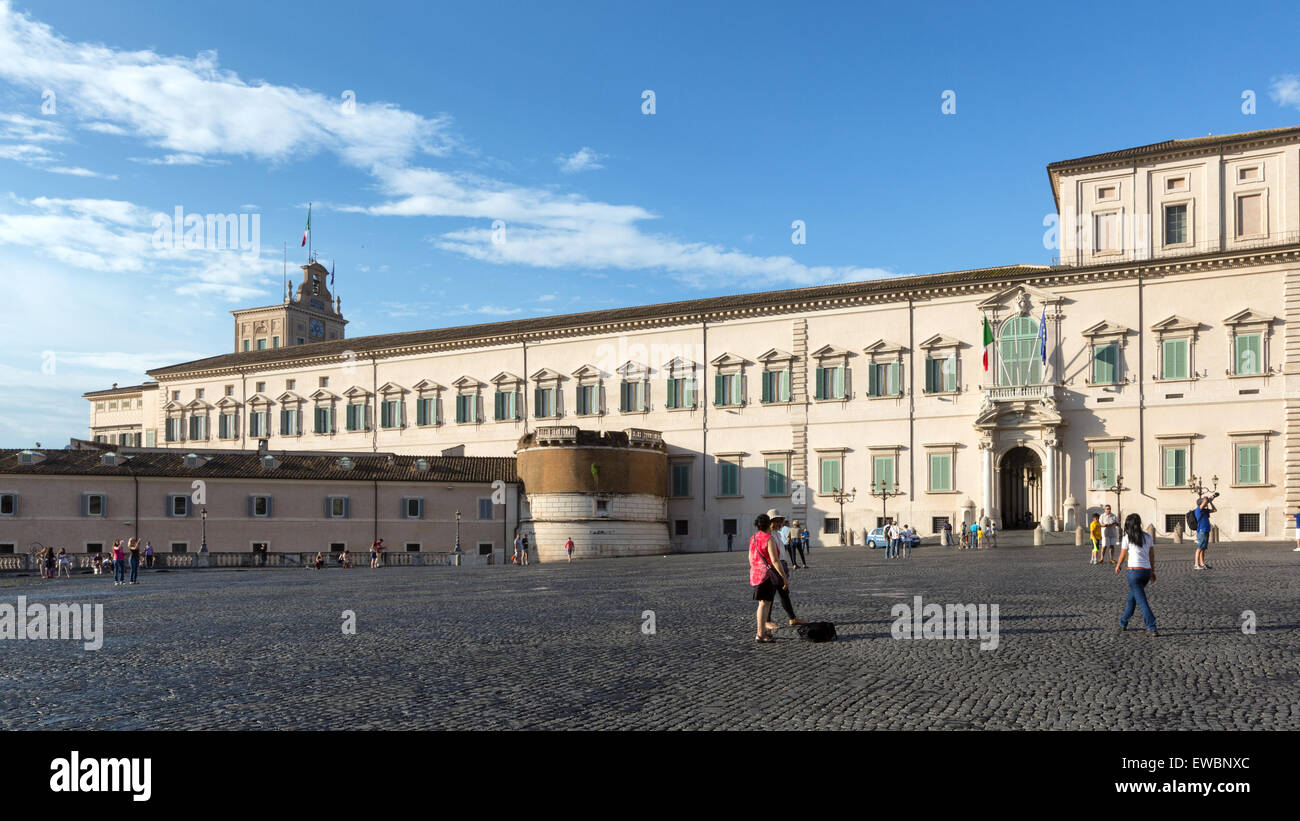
<point>877,538</point>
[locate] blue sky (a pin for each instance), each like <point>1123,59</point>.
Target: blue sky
<point>532,114</point>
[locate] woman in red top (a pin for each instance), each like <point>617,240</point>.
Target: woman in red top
<point>763,555</point>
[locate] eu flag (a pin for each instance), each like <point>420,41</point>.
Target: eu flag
<point>1042,337</point>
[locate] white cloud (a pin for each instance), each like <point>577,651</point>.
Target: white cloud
<point>1286,91</point>
<point>582,160</point>
<point>177,159</point>
<point>189,105</point>
<point>76,171</point>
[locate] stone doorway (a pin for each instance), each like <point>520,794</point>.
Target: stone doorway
<point>1021,477</point>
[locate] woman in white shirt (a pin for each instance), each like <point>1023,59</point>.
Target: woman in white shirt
<point>1140,550</point>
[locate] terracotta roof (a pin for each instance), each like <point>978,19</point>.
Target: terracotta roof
<point>1212,141</point>
<point>147,386</point>
<point>246,464</point>
<point>686,311</point>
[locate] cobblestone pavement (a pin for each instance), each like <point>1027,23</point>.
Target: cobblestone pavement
<point>561,646</point>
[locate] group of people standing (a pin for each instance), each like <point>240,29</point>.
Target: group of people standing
<point>54,564</point>
<point>124,554</point>
<point>899,540</point>
<point>770,564</point>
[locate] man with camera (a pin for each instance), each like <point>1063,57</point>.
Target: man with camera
<point>1203,510</point>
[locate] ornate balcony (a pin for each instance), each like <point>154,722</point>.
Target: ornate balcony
<point>1019,393</point>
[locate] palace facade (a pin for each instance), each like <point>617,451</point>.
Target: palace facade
<point>1161,352</point>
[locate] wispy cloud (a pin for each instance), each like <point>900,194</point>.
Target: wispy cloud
<point>583,159</point>
<point>1286,91</point>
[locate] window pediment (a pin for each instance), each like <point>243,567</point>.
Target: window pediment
<point>505,378</point>
<point>634,370</point>
<point>227,402</point>
<point>1105,329</point>
<point>547,375</point>
<point>259,399</point>
<point>428,386</point>
<point>198,405</point>
<point>776,356</point>
<point>730,360</point>
<point>1175,323</point>
<point>391,387</point>
<point>1022,299</point>
<point>677,366</point>
<point>1249,317</point>
<point>826,352</point>
<point>467,383</point>
<point>588,372</point>
<point>356,392</point>
<point>289,398</point>
<point>939,342</point>
<point>883,347</point>
<point>323,395</point>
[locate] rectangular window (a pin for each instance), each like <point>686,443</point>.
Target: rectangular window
<point>324,382</point>
<point>1105,364</point>
<point>885,379</point>
<point>1249,354</point>
<point>728,389</point>
<point>275,342</point>
<point>96,504</point>
<point>1175,467</point>
<point>832,383</point>
<point>150,438</point>
<point>259,423</point>
<point>681,480</point>
<point>246,344</point>
<point>544,404</point>
<point>505,405</point>
<point>324,419</point>
<point>413,508</point>
<point>588,400</point>
<point>1175,224</point>
<point>1104,468</point>
<point>485,509</point>
<point>336,507</point>
<point>681,527</point>
<point>290,422</point>
<point>1173,360</point>
<point>940,472</point>
<point>1172,520</point>
<point>681,393</point>
<point>426,411</point>
<point>941,374</point>
<point>391,413</point>
<point>1250,215</point>
<point>260,387</point>
<point>831,480</point>
<point>728,479</point>
<point>183,547</point>
<point>8,504</point>
<point>199,427</point>
<point>259,506</point>
<point>8,547</point>
<point>226,423</point>
<point>179,506</point>
<point>1249,467</point>
<point>1247,522</point>
<point>412,547</point>
<point>358,417</point>
<point>1107,232</point>
<point>776,476</point>
<point>175,429</point>
<point>467,408</point>
<point>938,523</point>
<point>882,474</point>
<point>632,397</point>
<point>776,386</point>
<point>831,525</point>
<point>261,344</point>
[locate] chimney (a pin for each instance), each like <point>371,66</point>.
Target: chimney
<point>114,386</point>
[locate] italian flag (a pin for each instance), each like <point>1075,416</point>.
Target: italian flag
<point>306,230</point>
<point>988,343</point>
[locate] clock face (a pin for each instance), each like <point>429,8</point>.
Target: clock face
<point>317,328</point>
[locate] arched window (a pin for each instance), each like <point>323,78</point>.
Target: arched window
<point>1018,352</point>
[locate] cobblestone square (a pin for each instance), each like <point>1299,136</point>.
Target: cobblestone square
<point>562,646</point>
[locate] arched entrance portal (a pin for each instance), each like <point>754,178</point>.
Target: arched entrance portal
<point>1021,491</point>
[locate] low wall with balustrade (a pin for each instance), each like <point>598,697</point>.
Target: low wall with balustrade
<point>83,563</point>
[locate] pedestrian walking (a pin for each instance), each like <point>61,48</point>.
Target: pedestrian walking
<point>148,555</point>
<point>974,536</point>
<point>1109,535</point>
<point>64,563</point>
<point>805,541</point>
<point>133,547</point>
<point>965,538</point>
<point>1094,533</point>
<point>777,521</point>
<point>765,576</point>
<point>519,543</point>
<point>568,548</point>
<point>1203,510</point>
<point>797,546</point>
<point>523,549</point>
<point>119,563</point>
<point>908,534</point>
<point>1140,549</point>
<point>379,552</point>
<point>891,537</point>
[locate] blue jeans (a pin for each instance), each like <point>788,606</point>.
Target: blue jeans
<point>1137,597</point>
<point>1202,538</point>
<point>135,567</point>
<point>119,570</point>
<point>907,547</point>
<point>892,550</point>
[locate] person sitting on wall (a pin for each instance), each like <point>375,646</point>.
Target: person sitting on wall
<point>345,559</point>
<point>318,562</point>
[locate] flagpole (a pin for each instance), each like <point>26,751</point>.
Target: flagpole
<point>309,233</point>
<point>284,273</point>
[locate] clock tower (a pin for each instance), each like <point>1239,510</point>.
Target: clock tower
<point>310,315</point>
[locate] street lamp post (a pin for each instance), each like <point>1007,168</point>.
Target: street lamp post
<point>458,531</point>
<point>203,515</point>
<point>1196,485</point>
<point>841,497</point>
<point>1118,489</point>
<point>884,494</point>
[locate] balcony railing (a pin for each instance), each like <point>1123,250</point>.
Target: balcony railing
<point>1019,393</point>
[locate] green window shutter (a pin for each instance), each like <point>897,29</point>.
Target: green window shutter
<point>873,379</point>
<point>719,389</point>
<point>767,394</point>
<point>819,391</point>
<point>421,412</point>
<point>738,389</point>
<point>1105,361</point>
<point>1248,465</point>
<point>688,393</point>
<point>837,386</point>
<point>1250,359</point>
<point>783,385</point>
